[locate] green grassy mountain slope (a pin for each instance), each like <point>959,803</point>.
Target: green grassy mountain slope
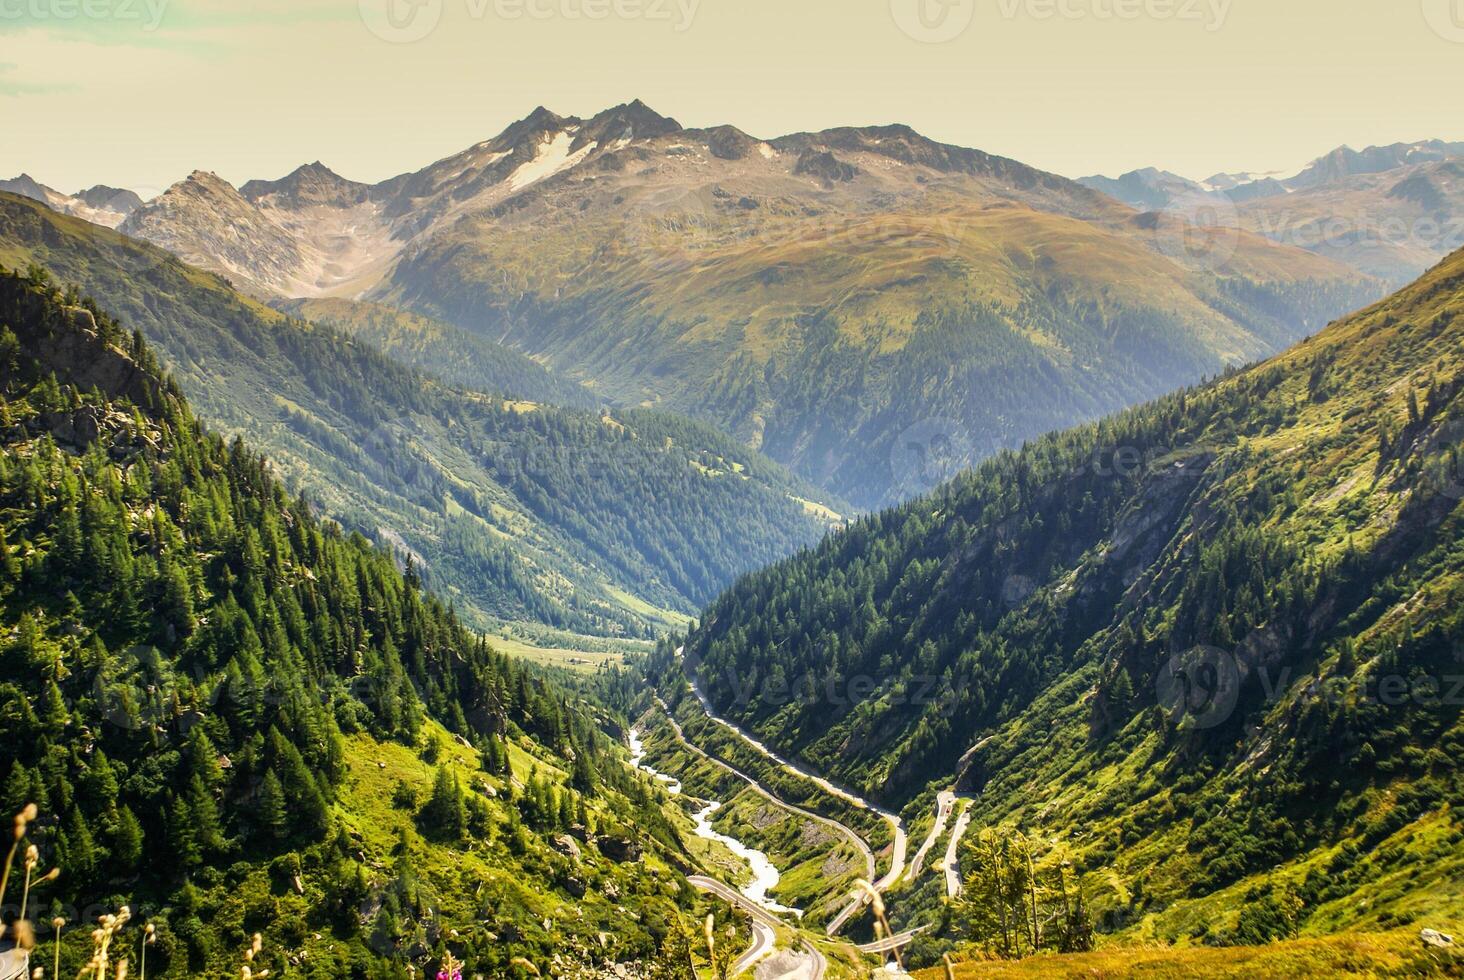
<point>829,322</point>
<point>596,523</point>
<point>240,720</point>
<point>1209,649</point>
<point>867,306</point>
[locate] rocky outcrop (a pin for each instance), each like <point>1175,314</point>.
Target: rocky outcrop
<point>621,850</point>
<point>826,167</point>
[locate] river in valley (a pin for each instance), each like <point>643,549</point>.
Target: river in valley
<point>765,875</point>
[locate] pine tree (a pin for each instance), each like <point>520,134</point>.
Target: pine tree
<point>207,829</point>
<point>127,841</point>
<point>299,787</point>
<point>182,844</point>
<point>9,564</point>
<point>584,776</point>
<point>269,807</point>
<point>445,812</point>
<point>79,856</point>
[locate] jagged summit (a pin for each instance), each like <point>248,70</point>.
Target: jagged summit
<point>26,186</point>
<point>1346,162</point>
<point>634,120</point>
<point>106,197</point>
<point>313,183</point>
<point>534,125</point>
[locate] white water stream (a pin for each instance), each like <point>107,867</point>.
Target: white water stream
<point>765,875</point>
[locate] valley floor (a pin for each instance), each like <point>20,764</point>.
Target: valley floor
<point>1359,955</point>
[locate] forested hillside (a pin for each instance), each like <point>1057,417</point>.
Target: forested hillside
<point>612,524</point>
<point>241,720</point>
<point>1194,643</point>
<point>462,359</point>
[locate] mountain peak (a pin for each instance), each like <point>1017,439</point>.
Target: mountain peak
<point>206,178</point>
<point>532,126</point>
<point>26,186</point>
<point>312,183</point>
<point>639,116</point>
<point>630,121</point>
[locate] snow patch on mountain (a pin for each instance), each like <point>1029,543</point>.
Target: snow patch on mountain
<point>553,156</point>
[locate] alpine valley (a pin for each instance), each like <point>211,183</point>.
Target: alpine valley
<point>620,551</point>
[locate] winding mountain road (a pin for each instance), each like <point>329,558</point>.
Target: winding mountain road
<point>952,862</point>
<point>764,924</point>
<point>757,787</point>
<point>764,942</point>
<point>818,964</point>
<point>897,826</point>
<point>944,804</point>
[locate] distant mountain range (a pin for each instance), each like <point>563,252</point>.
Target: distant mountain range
<point>101,205</point>
<point>1388,211</point>
<point>867,306</point>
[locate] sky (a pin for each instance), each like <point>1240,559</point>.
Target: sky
<point>138,93</point>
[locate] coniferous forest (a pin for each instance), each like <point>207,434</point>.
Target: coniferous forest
<point>977,494</point>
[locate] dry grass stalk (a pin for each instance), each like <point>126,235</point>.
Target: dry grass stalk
<point>58,924</point>
<point>22,824</point>
<point>107,930</point>
<point>149,936</point>
<point>881,920</point>
<point>709,931</point>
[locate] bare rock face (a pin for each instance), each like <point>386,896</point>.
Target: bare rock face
<point>825,166</point>
<point>1436,939</point>
<point>74,348</point>
<point>621,850</point>
<point>729,143</point>
<point>101,205</point>
<point>206,222</point>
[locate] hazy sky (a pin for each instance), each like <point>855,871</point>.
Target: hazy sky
<point>140,92</point>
